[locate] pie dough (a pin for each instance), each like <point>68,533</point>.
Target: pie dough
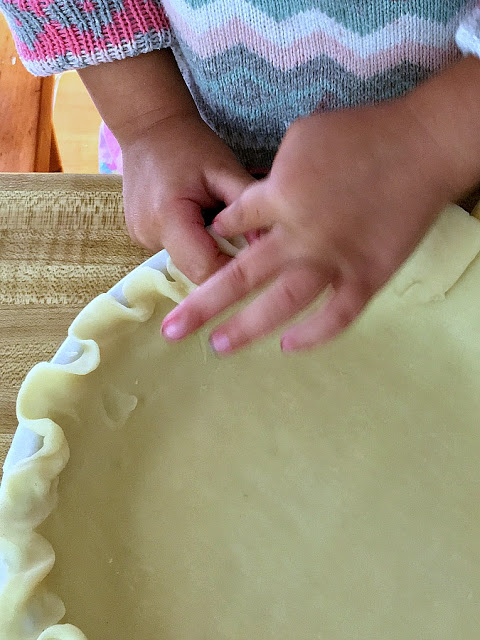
<point>332,495</point>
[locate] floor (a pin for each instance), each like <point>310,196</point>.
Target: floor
<point>76,123</point>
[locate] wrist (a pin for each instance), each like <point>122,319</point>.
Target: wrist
<point>134,94</point>
<point>447,109</point>
<point>140,127</point>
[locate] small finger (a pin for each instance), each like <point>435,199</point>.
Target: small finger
<point>292,292</point>
<point>340,310</point>
<point>249,212</point>
<point>245,273</point>
<point>152,242</point>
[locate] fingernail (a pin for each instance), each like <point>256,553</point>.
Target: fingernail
<point>288,345</point>
<point>174,330</point>
<point>220,343</point>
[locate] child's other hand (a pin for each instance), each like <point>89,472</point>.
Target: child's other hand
<point>349,196</point>
<point>173,170</point>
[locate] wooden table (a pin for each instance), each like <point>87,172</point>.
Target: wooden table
<point>62,242</point>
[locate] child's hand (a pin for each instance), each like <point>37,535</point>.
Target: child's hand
<point>173,163</point>
<point>172,171</point>
<point>349,196</point>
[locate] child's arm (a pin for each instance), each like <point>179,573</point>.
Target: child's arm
<point>135,93</point>
<point>349,197</point>
<point>173,164</point>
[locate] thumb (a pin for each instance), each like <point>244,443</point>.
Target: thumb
<point>190,246</point>
<point>228,183</point>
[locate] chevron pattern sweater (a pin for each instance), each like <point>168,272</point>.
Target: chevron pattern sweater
<point>253,66</point>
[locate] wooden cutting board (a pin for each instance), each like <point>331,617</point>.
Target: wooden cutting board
<point>63,241</point>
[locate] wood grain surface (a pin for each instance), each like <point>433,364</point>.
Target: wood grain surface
<point>62,242</point>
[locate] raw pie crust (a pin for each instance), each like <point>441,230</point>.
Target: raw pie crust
<point>332,495</point>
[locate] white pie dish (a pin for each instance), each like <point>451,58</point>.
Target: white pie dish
<point>25,443</point>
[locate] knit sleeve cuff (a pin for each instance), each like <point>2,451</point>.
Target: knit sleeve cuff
<point>56,35</point>
<point>468,34</point>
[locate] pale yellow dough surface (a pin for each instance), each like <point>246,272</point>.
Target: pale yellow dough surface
<point>327,496</point>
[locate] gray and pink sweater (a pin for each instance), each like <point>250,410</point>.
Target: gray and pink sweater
<point>253,66</point>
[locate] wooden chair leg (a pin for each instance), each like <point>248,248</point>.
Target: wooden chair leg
<point>45,126</point>
<point>55,160</point>
<point>19,104</point>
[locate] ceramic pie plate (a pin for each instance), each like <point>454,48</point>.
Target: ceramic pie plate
<point>155,491</point>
